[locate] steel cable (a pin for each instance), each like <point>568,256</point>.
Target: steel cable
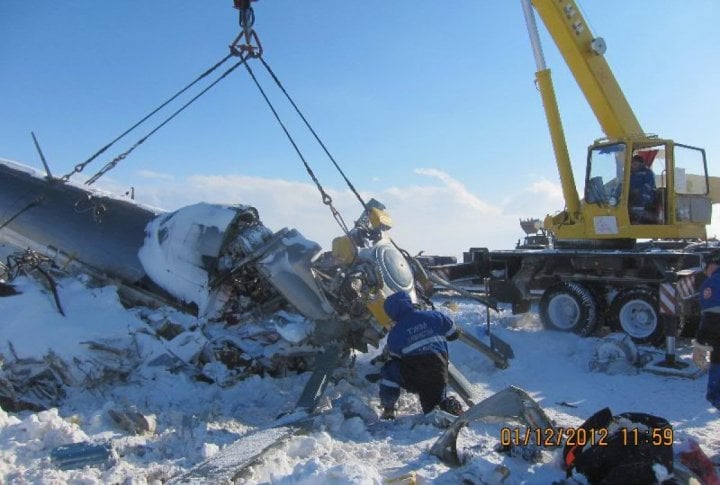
<point>79,167</point>
<point>327,200</point>
<point>297,110</point>
<point>110,165</point>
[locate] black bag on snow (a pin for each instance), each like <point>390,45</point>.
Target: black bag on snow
<point>621,458</point>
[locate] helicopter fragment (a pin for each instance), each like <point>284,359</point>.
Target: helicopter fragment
<point>222,264</point>
<point>510,404</point>
<point>219,261</point>
<point>205,244</point>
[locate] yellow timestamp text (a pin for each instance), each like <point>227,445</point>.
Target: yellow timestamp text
<point>575,436</point>
<point>647,436</point>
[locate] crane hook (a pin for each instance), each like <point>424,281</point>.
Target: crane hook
<point>247,19</point>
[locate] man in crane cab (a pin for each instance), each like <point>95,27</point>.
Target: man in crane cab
<point>418,357</point>
<point>642,192</point>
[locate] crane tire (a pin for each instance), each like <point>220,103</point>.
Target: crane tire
<point>635,312</point>
<point>569,307</point>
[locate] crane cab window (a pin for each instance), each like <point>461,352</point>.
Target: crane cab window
<point>691,185</point>
<point>690,171</point>
<point>605,174</point>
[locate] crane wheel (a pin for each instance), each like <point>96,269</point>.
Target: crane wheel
<point>569,307</point>
<point>635,312</point>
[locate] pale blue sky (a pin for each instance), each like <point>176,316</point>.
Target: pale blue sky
<point>420,102</point>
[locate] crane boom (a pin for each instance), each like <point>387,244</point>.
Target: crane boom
<point>583,54</point>
<point>557,134</point>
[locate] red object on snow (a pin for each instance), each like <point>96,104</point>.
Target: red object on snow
<point>696,460</point>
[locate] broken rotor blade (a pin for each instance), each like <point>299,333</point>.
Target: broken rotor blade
<point>499,351</point>
<point>325,364</point>
<point>487,301</point>
<point>229,463</point>
<point>461,385</point>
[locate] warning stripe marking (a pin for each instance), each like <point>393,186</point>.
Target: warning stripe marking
<point>686,287</point>
<point>668,299</point>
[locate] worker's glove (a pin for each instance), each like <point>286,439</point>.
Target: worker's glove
<point>700,354</point>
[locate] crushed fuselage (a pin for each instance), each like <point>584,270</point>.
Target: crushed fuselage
<point>219,259</point>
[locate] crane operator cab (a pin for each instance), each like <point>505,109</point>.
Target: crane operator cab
<point>633,184</point>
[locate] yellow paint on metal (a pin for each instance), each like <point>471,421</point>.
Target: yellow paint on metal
<point>376,309</point>
<point>583,53</point>
<point>574,40</point>
<point>379,219</point>
<point>557,135</point>
<point>714,189</point>
<point>343,250</point>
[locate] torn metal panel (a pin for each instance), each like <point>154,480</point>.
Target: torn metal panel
<point>185,250</point>
<point>511,404</point>
<point>287,264</point>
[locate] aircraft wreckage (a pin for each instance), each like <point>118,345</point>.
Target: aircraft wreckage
<point>222,264</point>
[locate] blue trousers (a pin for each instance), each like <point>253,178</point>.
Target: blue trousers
<point>713,386</point>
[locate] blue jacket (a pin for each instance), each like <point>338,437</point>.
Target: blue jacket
<point>709,331</point>
<point>416,332</point>
<point>642,186</point>
<point>710,293</point>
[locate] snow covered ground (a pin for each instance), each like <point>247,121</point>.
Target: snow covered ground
<point>194,420</point>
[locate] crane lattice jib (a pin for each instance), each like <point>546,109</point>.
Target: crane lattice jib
<point>583,54</point>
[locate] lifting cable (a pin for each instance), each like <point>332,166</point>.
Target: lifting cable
<point>79,167</point>
<point>327,200</point>
<point>244,52</point>
<point>247,19</point>
<point>297,110</point>
<point>110,165</point>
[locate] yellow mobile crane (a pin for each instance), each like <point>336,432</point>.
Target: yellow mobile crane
<point>598,272</point>
<point>680,205</point>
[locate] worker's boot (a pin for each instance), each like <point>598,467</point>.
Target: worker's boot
<point>451,405</point>
<point>389,412</point>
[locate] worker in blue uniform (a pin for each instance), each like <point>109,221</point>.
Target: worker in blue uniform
<point>418,357</point>
<point>642,183</point>
<point>706,345</point>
